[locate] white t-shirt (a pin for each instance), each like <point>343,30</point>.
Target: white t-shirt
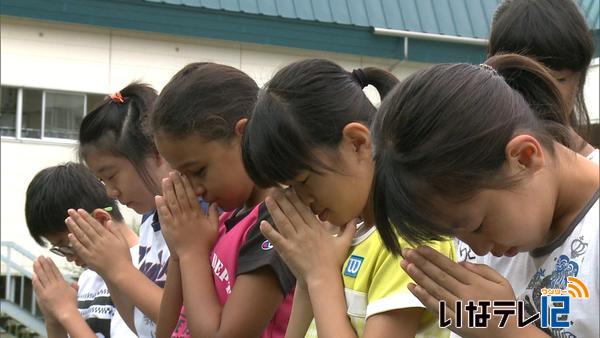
<point>573,254</point>
<point>153,259</point>
<point>96,306</point>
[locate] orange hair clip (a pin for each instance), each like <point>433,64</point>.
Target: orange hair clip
<point>117,97</point>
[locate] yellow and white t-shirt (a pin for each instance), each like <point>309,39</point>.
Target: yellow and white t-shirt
<point>374,283</point>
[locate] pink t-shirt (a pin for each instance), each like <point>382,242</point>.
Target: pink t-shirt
<point>241,248</point>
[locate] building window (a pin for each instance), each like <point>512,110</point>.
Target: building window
<point>63,114</point>
<point>31,121</point>
<point>8,110</point>
<point>44,114</point>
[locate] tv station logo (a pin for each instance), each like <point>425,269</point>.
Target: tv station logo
<point>554,305</point>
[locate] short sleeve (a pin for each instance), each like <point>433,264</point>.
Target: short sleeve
<point>258,252</point>
<point>388,290</point>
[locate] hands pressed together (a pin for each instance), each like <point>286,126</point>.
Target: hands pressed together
<point>56,298</point>
<point>185,226</point>
<point>440,279</point>
<point>103,250</point>
<point>302,240</point>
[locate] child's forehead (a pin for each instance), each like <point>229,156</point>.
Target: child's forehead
<point>192,151</point>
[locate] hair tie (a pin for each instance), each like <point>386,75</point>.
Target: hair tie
<point>488,68</point>
<point>360,77</point>
<point>117,97</point>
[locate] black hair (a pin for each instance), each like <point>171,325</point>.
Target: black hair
<point>537,86</point>
<point>552,31</point>
<point>205,99</point>
<point>56,189</point>
<point>304,106</point>
<point>119,126</point>
<point>442,133</point>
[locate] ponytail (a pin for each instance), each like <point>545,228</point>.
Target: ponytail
<point>119,126</point>
<point>537,86</point>
<point>381,79</point>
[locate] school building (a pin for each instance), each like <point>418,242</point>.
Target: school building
<point>59,58</point>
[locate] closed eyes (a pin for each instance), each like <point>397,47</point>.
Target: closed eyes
<point>200,172</point>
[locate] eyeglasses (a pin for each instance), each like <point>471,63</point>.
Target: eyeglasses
<point>62,250</point>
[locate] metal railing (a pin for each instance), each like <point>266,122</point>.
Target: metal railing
<point>15,302</point>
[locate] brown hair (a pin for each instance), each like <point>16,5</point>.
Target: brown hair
<point>204,98</point>
<point>553,32</point>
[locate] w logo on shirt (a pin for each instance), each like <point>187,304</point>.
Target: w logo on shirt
<point>354,263</point>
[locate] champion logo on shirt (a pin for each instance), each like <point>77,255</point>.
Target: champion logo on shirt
<point>353,266</point>
<point>266,245</point>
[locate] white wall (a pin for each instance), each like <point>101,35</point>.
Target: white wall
<point>87,59</point>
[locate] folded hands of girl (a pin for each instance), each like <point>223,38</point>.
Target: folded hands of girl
<point>101,247</point>
<point>186,227</point>
<point>302,240</point>
<point>440,279</point>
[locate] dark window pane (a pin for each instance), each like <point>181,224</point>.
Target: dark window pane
<point>64,113</point>
<point>8,110</point>
<point>32,113</point>
<point>94,100</point>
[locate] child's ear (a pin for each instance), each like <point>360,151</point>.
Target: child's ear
<point>240,127</point>
<point>101,216</point>
<point>358,136</point>
<point>524,152</point>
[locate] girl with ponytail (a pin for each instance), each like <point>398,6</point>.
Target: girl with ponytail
<point>309,131</point>
<point>115,144</point>
<point>461,150</point>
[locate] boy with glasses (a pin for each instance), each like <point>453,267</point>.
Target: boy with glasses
<point>85,310</point>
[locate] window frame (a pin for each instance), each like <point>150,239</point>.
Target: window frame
<point>18,108</point>
<point>19,116</point>
<point>43,129</point>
